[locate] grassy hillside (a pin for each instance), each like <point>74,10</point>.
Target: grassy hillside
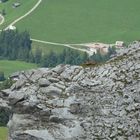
<point>47,48</point>
<point>14,13</point>
<point>3,133</point>
<point>8,67</point>
<point>76,21</point>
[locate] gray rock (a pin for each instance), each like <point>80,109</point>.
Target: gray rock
<point>54,119</point>
<point>75,108</point>
<point>51,91</point>
<point>53,80</point>
<point>75,103</point>
<point>4,104</point>
<point>44,82</point>
<point>15,97</point>
<point>59,69</point>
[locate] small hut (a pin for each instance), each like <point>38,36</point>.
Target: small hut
<point>16,4</point>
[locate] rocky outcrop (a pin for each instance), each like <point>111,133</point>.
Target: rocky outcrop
<point>76,103</point>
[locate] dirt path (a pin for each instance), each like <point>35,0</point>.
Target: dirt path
<point>46,42</point>
<point>1,19</point>
<point>66,45</point>
<point>29,12</point>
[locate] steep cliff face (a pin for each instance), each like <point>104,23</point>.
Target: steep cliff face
<point>76,103</point>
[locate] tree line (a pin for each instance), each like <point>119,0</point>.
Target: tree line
<point>15,45</point>
<point>99,57</point>
<point>68,56</point>
<point>3,0</point>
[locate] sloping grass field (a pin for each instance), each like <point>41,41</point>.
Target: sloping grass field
<point>81,21</point>
<point>47,48</point>
<point>11,13</point>
<point>3,133</point>
<point>72,21</point>
<point>9,67</point>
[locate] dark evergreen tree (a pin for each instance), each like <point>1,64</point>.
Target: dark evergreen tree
<point>2,78</point>
<point>31,57</point>
<point>15,45</point>
<point>3,12</point>
<point>4,0</point>
<point>38,56</point>
<point>98,57</point>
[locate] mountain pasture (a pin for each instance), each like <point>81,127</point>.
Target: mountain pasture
<point>12,13</point>
<point>3,133</point>
<point>82,21</point>
<point>9,67</point>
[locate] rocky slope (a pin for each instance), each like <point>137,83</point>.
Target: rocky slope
<point>76,103</point>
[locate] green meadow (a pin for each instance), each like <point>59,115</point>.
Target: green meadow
<point>3,133</point>
<point>72,21</point>
<point>47,48</point>
<point>81,21</point>
<point>14,13</point>
<point>9,67</point>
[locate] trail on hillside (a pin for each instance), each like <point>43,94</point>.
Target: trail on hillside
<point>29,12</point>
<point>66,45</point>
<point>1,19</point>
<point>46,42</point>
